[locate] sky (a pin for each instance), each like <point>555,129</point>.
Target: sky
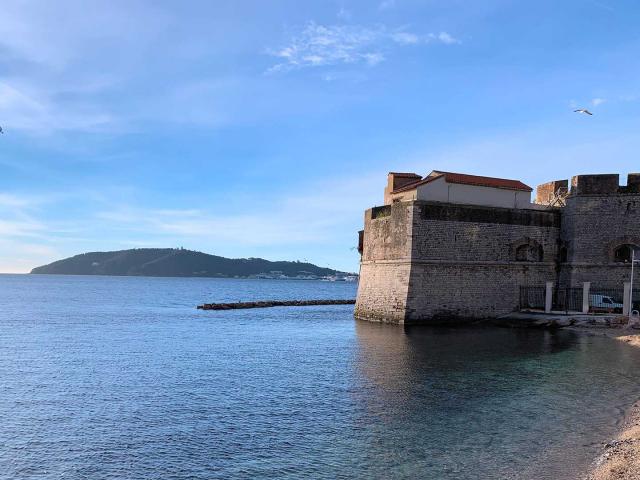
<point>265,129</point>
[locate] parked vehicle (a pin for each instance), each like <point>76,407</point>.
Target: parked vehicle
<point>604,303</point>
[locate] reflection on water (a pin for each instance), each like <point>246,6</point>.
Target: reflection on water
<point>112,378</point>
<point>491,403</point>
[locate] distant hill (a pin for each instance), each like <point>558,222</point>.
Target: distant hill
<point>171,262</point>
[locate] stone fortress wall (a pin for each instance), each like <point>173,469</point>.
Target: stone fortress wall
<point>599,217</point>
<point>464,262</point>
<point>428,261</point>
<point>385,263</point>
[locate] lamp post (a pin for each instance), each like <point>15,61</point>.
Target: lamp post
<point>633,260</point>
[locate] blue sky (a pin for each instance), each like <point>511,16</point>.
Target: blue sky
<point>252,128</point>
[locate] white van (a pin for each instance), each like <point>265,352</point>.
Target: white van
<point>604,302</point>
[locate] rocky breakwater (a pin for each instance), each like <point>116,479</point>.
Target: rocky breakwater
<point>272,303</point>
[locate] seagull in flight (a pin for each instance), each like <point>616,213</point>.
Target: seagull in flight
<point>1,131</point>
<point>583,110</point>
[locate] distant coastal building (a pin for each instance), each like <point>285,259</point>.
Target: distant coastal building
<point>453,246</point>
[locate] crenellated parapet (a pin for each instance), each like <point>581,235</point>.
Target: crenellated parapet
<point>454,247</point>
<point>593,184</point>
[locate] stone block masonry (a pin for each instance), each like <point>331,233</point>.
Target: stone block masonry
<point>434,262</point>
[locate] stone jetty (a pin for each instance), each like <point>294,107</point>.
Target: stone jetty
<point>272,303</point>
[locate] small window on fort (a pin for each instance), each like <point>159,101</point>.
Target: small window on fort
<point>623,253</point>
<point>529,253</point>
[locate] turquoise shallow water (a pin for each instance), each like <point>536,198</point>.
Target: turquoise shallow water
<point>118,377</point>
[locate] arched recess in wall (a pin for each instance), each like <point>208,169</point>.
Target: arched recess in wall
<point>622,253</point>
<point>619,250</point>
<point>527,250</point>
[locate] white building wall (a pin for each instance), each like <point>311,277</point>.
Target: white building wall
<point>523,200</point>
<point>441,191</point>
<point>434,191</point>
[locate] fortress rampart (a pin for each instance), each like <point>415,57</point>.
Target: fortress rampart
<point>428,261</point>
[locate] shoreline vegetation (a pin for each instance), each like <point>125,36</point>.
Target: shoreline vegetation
<point>621,457</point>
<point>179,262</point>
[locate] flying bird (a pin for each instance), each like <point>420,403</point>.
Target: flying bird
<point>1,131</point>
<point>583,110</point>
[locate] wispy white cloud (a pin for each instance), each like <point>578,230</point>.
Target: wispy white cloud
<point>299,219</point>
<point>594,102</point>
<point>17,219</point>
<point>602,5</point>
<point>58,35</point>
<point>344,14</point>
<point>53,56</point>
<point>407,38</point>
<point>444,37</point>
<point>318,214</point>
<point>14,201</point>
<point>21,256</point>
<point>54,78</point>
<point>386,4</point>
<point>318,45</point>
<point>37,111</point>
<point>22,234</point>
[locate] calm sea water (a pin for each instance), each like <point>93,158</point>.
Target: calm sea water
<point>122,378</point>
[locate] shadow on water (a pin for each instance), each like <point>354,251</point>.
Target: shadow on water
<point>487,402</point>
<point>410,357</point>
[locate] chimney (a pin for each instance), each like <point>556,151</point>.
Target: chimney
<point>397,180</point>
<point>546,192</point>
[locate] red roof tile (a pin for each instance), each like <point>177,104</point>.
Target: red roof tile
<point>413,185</point>
<point>462,178</point>
<point>486,181</point>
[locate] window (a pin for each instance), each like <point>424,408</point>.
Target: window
<point>529,253</point>
<point>623,253</point>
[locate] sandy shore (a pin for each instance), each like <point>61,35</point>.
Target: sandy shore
<point>621,457</point>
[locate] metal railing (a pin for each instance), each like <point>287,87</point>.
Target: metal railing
<point>567,299</point>
<point>615,294</point>
<point>562,299</point>
<point>570,299</point>
<point>532,298</point>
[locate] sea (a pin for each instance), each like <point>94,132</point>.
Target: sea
<point>123,378</point>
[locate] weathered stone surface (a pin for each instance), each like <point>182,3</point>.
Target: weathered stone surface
<point>595,184</point>
<point>437,262</point>
<point>592,227</point>
<point>546,192</point>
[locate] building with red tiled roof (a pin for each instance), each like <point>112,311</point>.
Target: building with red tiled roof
<point>461,188</point>
<point>451,247</point>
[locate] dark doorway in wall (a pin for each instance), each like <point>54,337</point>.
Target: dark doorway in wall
<point>623,253</point>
